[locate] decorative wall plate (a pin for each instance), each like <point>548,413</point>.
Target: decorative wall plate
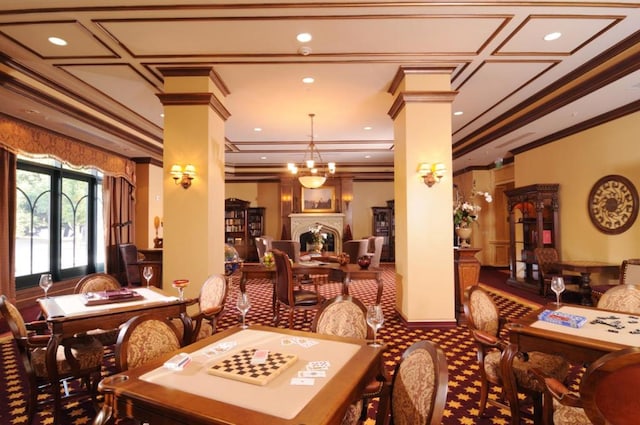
<point>613,204</point>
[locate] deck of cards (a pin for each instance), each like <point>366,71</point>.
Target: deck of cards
<point>302,342</point>
<point>314,369</point>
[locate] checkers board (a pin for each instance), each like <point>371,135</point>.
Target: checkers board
<point>238,366</point>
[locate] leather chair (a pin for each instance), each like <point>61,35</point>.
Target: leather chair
<point>608,392</point>
<point>356,248</point>
<point>485,325</point>
<point>418,392</point>
<point>287,295</point>
<point>291,248</point>
<point>134,263</point>
<point>76,358</point>
<point>375,248</point>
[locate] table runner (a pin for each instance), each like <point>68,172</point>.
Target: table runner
<point>597,331</point>
<point>277,398</point>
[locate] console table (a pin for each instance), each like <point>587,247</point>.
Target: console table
<point>467,273</point>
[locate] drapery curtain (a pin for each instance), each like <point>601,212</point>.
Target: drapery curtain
<point>119,213</point>
<point>8,163</point>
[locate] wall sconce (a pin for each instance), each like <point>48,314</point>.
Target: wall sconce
<point>347,199</point>
<point>182,176</point>
<point>431,173</point>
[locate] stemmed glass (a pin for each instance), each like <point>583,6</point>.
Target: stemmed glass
<point>147,273</point>
<point>180,284</point>
<point>46,282</point>
<point>375,319</point>
<point>557,286</point>
<point>243,306</point>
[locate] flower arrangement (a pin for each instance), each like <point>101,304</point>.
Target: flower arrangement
<point>466,212</point>
<point>316,236</point>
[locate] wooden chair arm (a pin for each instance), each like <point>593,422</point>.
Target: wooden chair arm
<point>557,389</point>
<point>485,338</point>
<point>34,340</point>
<point>37,326</point>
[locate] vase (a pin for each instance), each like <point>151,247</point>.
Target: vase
<point>316,248</point>
<point>464,234</point>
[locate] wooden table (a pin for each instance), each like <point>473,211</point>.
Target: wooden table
<point>585,268</point>
<point>159,396</point>
<point>580,346</point>
<point>347,273</point>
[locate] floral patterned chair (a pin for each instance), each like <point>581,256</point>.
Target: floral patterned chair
<point>96,282</point>
<point>485,324</point>
<point>621,298</point>
<point>606,383</point>
<point>419,388</point>
<point>144,338</point>
<point>211,300</point>
<point>629,274</point>
<point>76,358</point>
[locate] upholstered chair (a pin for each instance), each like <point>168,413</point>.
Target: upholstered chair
<point>629,274</point>
<point>211,300</point>
<point>624,298</point>
<point>96,282</point>
<point>144,338</point>
<point>485,324</point>
<point>375,248</point>
<point>346,316</point>
<point>356,248</point>
<point>291,248</point>
<point>546,257</point>
<point>609,378</point>
<point>418,392</point>
<point>76,358</point>
<point>287,296</point>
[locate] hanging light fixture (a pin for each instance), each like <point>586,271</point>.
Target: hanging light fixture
<point>313,173</point>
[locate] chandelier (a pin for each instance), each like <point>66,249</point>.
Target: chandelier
<point>313,173</point>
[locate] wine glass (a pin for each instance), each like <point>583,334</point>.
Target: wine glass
<point>180,284</point>
<point>375,319</point>
<point>147,273</point>
<point>557,286</point>
<point>243,304</point>
<point>46,282</point>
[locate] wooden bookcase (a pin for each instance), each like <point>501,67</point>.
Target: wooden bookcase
<point>533,223</point>
<point>241,225</point>
<point>383,225</point>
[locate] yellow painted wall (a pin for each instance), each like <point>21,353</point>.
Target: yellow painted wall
<point>365,196</point>
<point>576,163</point>
<point>260,195</point>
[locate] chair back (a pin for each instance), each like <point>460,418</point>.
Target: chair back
<point>480,310</point>
<point>624,298</point>
<point>609,388</point>
<point>284,277</point>
<point>129,255</point>
<point>261,247</point>
<point>213,293</point>
<point>144,338</point>
<point>545,258</point>
<point>291,248</point>
<point>96,282</point>
<point>355,248</point>
<point>14,318</point>
<point>375,246</point>
<point>342,315</point>
<point>630,271</point>
<point>419,388</point>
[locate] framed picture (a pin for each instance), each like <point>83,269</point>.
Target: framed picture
<point>318,200</point>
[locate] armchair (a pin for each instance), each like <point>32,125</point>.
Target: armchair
<point>356,248</point>
<point>375,247</point>
<point>133,263</point>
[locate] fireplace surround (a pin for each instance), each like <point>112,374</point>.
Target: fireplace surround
<point>332,223</point>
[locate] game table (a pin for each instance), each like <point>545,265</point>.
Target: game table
<point>155,394</point>
<point>578,345</point>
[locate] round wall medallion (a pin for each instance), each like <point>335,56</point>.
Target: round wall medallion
<point>613,204</point>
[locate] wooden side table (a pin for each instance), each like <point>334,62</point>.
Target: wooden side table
<point>467,273</point>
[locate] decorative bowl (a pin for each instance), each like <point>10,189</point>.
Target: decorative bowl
<point>364,262</point>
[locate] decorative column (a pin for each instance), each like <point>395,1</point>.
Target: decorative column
<point>423,214</point>
<point>194,117</point>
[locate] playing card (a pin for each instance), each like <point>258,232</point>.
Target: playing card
<point>304,342</point>
<point>312,374</point>
<point>302,381</point>
<point>318,365</point>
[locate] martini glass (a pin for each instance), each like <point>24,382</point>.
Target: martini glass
<point>180,284</point>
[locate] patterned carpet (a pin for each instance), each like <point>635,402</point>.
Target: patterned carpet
<point>464,384</point>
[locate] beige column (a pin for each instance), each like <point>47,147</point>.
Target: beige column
<point>423,215</point>
<point>194,117</point>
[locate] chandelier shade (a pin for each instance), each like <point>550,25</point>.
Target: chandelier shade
<point>312,174</point>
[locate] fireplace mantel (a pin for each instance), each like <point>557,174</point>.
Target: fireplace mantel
<point>331,222</point>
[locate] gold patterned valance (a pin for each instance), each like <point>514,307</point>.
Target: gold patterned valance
<point>22,138</point>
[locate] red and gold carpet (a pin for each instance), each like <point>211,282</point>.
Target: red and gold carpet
<point>464,384</point>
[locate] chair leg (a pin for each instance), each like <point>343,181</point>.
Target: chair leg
<point>484,393</point>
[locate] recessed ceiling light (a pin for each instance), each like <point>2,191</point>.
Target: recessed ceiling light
<point>552,36</point>
<point>458,113</point>
<point>57,41</point>
<point>257,129</point>
<point>263,157</point>
<point>162,115</point>
<point>308,80</point>
<point>304,37</point>
<point>367,128</point>
<point>367,156</point>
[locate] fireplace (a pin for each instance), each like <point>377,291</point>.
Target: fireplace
<point>332,224</point>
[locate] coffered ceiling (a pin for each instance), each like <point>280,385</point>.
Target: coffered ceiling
<point>515,89</point>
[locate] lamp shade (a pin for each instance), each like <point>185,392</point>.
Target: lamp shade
<point>312,181</point>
